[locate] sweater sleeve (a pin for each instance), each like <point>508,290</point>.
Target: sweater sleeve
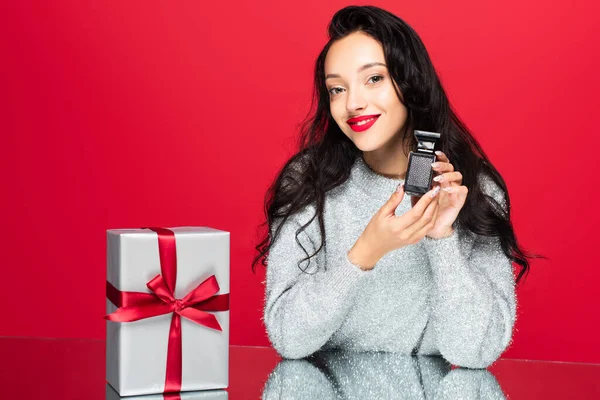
<point>304,307</point>
<point>474,302</point>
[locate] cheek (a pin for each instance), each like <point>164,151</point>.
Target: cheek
<point>388,99</point>
<point>394,105</point>
<point>337,112</point>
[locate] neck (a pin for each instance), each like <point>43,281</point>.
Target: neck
<point>389,162</point>
<point>374,185</point>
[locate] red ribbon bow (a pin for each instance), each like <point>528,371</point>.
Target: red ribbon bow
<point>133,306</point>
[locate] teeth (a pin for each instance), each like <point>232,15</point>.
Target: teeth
<point>364,121</point>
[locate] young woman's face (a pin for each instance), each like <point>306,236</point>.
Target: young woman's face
<point>356,91</point>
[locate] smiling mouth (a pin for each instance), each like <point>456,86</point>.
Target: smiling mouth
<point>363,125</point>
<point>365,121</point>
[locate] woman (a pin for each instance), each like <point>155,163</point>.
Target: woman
<point>354,264</point>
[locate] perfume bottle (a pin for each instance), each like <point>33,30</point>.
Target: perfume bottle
<point>419,174</point>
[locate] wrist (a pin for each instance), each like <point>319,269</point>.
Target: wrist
<point>362,256</point>
<point>444,234</point>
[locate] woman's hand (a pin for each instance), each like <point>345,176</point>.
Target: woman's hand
<point>386,231</point>
<point>452,196</point>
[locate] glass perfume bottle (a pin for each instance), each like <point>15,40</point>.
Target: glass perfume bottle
<point>419,174</point>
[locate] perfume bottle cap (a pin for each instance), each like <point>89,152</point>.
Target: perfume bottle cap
<point>426,141</point>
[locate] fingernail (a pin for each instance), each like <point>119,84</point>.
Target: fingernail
<point>400,186</point>
<point>435,191</point>
<point>435,165</point>
<point>447,189</point>
<point>439,178</point>
<point>439,153</point>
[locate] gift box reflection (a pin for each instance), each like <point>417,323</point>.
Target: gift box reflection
<point>372,375</point>
<point>111,394</point>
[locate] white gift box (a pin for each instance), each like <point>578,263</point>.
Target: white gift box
<point>136,352</point>
<point>111,394</point>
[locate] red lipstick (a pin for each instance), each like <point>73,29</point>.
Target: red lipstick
<point>352,122</point>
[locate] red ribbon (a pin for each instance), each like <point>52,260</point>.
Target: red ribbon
<point>133,306</point>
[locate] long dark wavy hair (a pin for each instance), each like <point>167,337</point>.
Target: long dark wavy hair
<point>325,155</point>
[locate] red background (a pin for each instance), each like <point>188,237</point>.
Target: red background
<point>128,114</point>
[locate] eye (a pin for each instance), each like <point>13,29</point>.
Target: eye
<point>332,91</point>
<point>377,76</point>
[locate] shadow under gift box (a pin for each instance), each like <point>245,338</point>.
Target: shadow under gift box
<point>136,352</point>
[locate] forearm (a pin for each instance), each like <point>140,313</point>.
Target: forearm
<point>474,300</point>
<point>306,304</point>
<point>300,319</point>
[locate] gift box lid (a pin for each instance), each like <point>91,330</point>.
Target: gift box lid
<point>133,257</point>
<point>177,229</point>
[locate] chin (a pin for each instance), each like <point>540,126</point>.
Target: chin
<point>366,145</point>
<point>367,148</point>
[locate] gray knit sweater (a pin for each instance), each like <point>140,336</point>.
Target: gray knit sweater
<point>453,297</point>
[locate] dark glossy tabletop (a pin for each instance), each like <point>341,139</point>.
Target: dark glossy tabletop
<point>34,368</point>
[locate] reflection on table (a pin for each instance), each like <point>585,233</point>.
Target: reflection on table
<point>342,375</point>
<point>74,369</point>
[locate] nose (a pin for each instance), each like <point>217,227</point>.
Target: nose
<point>355,101</point>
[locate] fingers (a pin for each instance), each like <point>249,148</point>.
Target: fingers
<point>414,200</point>
<point>420,234</point>
<point>442,163</point>
<point>448,178</point>
<point>441,156</point>
<point>389,208</point>
<point>415,232</point>
<point>413,215</point>
<point>461,191</point>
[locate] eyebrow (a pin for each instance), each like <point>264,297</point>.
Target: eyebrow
<point>366,66</point>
